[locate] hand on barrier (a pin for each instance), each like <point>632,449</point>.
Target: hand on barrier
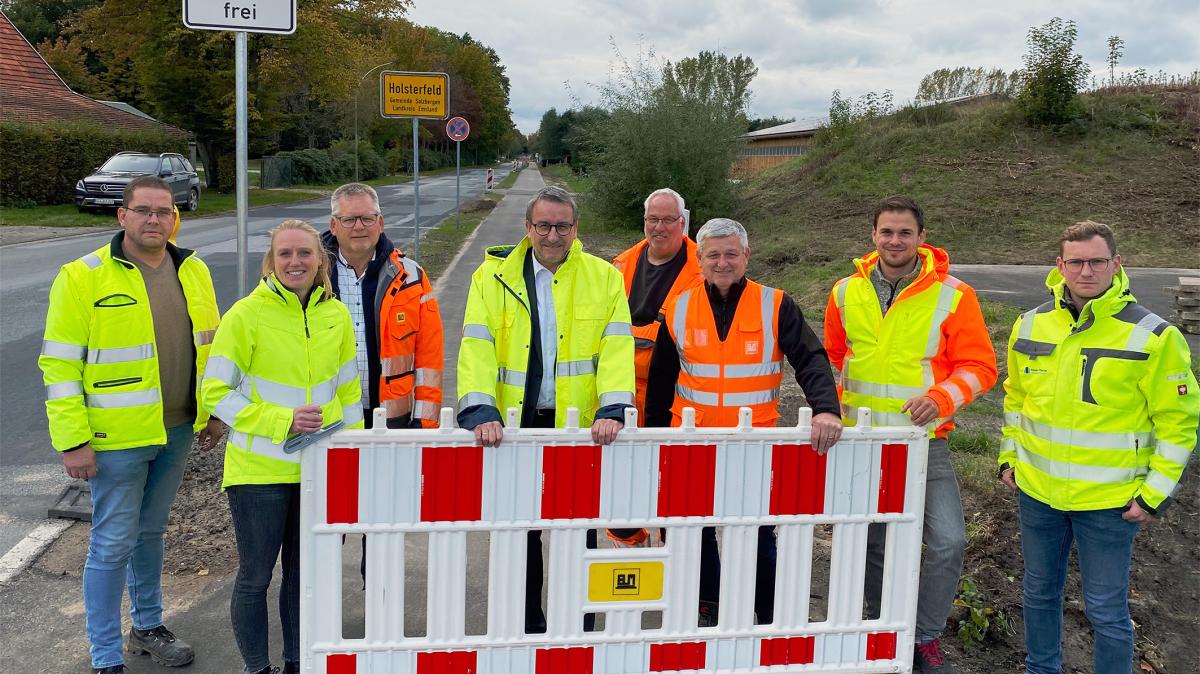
<point>826,431</point>
<point>306,419</point>
<point>80,463</point>
<point>489,434</point>
<point>207,439</point>
<point>604,431</point>
<point>922,409</point>
<point>1008,477</point>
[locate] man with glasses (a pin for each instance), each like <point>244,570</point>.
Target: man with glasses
<point>912,347</point>
<point>128,331</point>
<point>1100,419</point>
<point>397,324</point>
<point>546,328</point>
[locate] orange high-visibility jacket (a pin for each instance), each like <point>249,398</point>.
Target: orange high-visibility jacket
<point>932,342</point>
<point>410,342</point>
<point>746,370</point>
<point>644,336</point>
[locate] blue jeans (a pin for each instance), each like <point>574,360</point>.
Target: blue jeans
<point>266,523</point>
<point>132,494</point>
<point>945,538</point>
<point>1105,546</point>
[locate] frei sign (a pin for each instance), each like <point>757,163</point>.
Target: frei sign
<point>251,16</point>
<point>420,95</point>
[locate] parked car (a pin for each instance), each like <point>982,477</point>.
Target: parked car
<point>104,187</point>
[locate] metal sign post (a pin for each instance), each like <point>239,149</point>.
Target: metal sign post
<point>243,191</point>
<point>262,16</point>
<point>419,96</point>
<point>458,129</point>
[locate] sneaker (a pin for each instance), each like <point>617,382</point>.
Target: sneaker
<point>928,659</point>
<point>111,669</point>
<point>161,645</point>
<point>708,614</point>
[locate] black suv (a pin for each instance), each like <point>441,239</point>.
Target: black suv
<point>105,185</point>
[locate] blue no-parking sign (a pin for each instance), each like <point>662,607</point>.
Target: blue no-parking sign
<point>458,129</point>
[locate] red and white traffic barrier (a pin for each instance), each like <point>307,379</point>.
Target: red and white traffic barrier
<point>390,483</point>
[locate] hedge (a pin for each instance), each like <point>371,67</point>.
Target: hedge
<point>40,163</point>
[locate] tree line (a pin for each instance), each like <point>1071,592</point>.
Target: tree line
<point>302,88</point>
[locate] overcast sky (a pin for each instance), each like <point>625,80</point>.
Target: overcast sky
<point>804,49</point>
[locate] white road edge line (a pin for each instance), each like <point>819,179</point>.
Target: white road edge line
<point>25,553</point>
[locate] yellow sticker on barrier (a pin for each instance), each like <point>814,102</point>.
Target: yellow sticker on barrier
<point>625,581</point>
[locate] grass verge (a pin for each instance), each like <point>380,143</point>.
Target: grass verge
<point>440,244</point>
<point>563,176</point>
<point>509,180</point>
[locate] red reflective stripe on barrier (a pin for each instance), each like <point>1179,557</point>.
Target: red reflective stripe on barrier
<point>892,467</point>
<point>451,483</point>
<point>686,474</point>
<point>787,651</point>
<point>674,657</point>
<point>570,482</point>
<point>881,645</point>
<point>797,480</point>
<point>563,661</point>
<point>443,662</point>
<point>341,663</point>
<point>341,486</point>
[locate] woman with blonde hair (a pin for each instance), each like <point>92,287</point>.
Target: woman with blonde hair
<point>282,366</point>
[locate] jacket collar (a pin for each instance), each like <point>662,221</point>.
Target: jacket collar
<point>512,258</point>
<point>383,250</point>
<point>935,266</point>
<point>177,254</point>
<point>271,286</point>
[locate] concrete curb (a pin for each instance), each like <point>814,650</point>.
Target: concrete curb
<point>25,553</point>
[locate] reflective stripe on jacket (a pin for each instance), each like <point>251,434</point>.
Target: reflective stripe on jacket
<point>270,356</point>
<point>644,336</point>
<point>595,347</point>
<point>716,377</point>
<point>99,361</point>
<point>410,342</point>
<point>1099,409</point>
<point>932,342</point>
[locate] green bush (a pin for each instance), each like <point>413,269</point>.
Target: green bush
<point>1054,73</point>
<point>312,166</point>
<point>40,163</point>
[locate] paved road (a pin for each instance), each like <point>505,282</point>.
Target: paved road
<point>1024,286</point>
<point>30,473</point>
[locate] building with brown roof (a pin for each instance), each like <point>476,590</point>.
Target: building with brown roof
<point>31,92</point>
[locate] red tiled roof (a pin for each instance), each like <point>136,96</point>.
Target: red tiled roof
<point>30,91</point>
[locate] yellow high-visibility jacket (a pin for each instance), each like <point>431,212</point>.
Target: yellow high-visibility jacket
<point>595,348</point>
<point>1100,409</point>
<point>270,356</point>
<point>99,360</point>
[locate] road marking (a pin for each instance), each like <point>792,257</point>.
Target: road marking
<point>30,548</point>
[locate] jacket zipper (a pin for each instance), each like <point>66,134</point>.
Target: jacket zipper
<point>513,293</point>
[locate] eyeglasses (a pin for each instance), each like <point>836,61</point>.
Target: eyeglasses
<point>654,222</point>
<point>352,220</point>
<point>543,228</point>
<point>1096,263</point>
<point>161,213</point>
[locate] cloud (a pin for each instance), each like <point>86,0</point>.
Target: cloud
<point>804,49</point>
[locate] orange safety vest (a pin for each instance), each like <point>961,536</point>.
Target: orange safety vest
<point>716,377</point>
<point>410,342</point>
<point>644,336</point>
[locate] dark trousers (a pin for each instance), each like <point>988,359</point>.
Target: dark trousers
<point>764,584</point>
<point>266,524</point>
<point>535,617</point>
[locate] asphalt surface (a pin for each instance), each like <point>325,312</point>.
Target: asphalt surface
<point>30,471</point>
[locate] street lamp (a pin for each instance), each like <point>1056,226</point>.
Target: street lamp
<point>358,91</point>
